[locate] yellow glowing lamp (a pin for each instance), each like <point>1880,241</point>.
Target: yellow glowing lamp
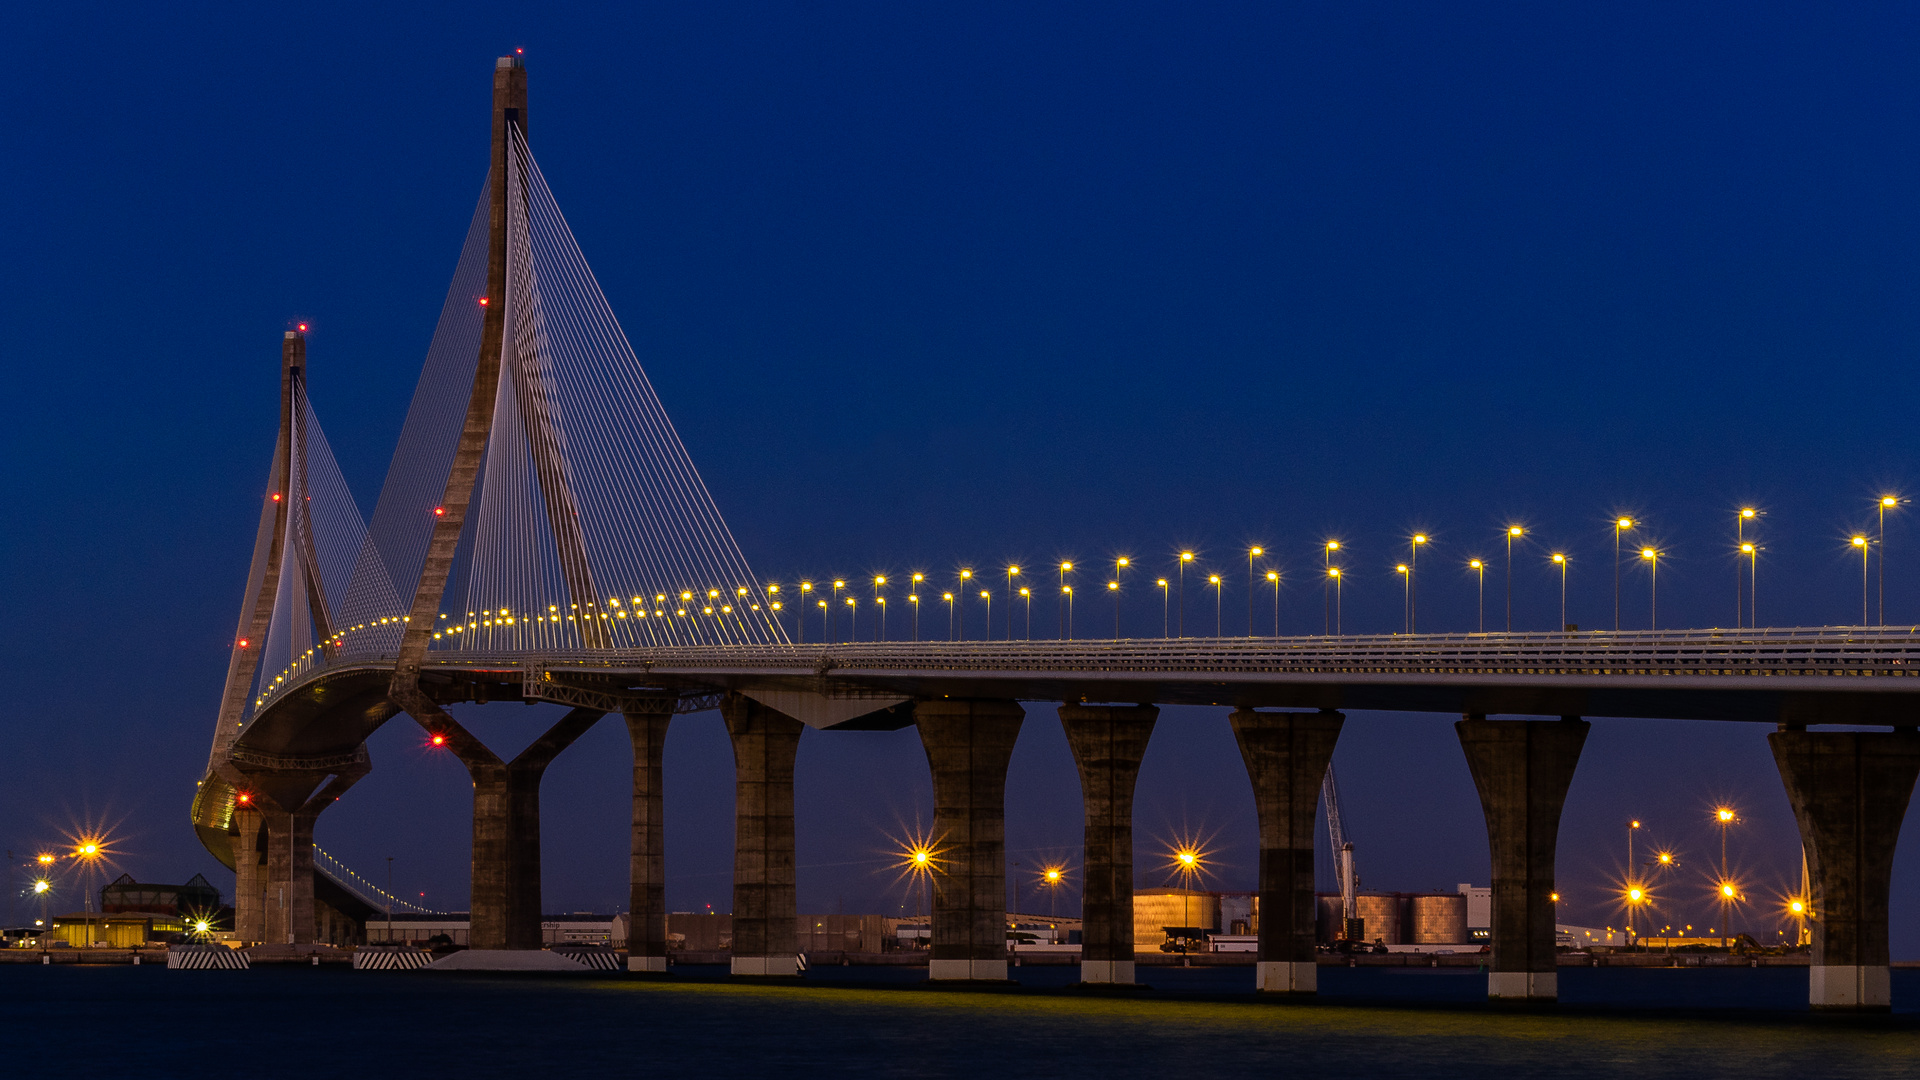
<point>1727,890</point>
<point>1624,523</point>
<point>1213,579</point>
<point>1636,894</point>
<point>1798,907</point>
<point>1333,545</point>
<point>1559,558</point>
<point>1186,556</point>
<point>1112,585</point>
<point>1474,563</point>
<point>1066,566</point>
<point>1515,530</point>
<point>1257,551</point>
<point>1859,541</point>
<point>1647,553</point>
<point>1419,538</point>
<point>1273,575</point>
<point>1725,814</point>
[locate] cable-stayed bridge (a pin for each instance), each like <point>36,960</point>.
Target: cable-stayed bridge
<point>543,535</point>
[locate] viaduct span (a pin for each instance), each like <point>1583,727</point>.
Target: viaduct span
<point>542,536</point>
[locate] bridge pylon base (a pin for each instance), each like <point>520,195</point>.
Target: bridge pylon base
<point>968,745</point>
<point>1108,743</point>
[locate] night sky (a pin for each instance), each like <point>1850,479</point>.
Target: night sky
<point>925,288</point>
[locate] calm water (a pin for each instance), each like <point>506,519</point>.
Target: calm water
<point>299,1022</point>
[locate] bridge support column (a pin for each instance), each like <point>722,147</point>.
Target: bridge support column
<point>249,876</point>
<point>1287,756</point>
<point>1522,769</point>
<point>969,744</point>
<point>647,906</point>
<point>289,876</point>
<point>506,829</point>
<point>766,909</point>
<point>1108,743</point>
<point>1849,791</point>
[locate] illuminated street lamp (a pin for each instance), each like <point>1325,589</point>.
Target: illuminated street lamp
<point>1725,817</point>
<point>1560,560</point>
<point>1884,504</point>
<point>1027,595</point>
<point>1113,589</point>
<point>1406,597</point>
<point>1861,543</point>
<point>914,599</point>
<point>948,597</point>
<point>1326,587</point>
<point>1740,520</point>
<point>966,579</point>
<point>988,597</point>
<point>1185,558</point>
<point>1514,532</point>
<point>1069,591</point>
<point>1752,552</point>
<point>1413,564</point>
<point>1060,613</point>
<point>1166,626</point>
<point>1274,576</point>
<point>1252,553</point>
<point>1652,556</point>
<point>853,610</point>
<point>1012,572</point>
<point>800,618</point>
<point>1620,525</point>
<point>1480,571</point>
<point>1335,575</point>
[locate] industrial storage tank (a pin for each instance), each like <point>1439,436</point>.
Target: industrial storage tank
<point>1380,916</point>
<point>1436,919</point>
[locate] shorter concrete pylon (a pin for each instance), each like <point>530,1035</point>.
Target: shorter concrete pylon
<point>1522,769</point>
<point>647,904</point>
<point>969,744</point>
<point>1849,791</point>
<point>1108,743</point>
<point>1286,754</point>
<point>766,906</point>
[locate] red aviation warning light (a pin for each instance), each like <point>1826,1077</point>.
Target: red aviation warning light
<point>483,301</point>
<point>303,328</point>
<point>276,496</point>
<point>244,798</point>
<point>243,643</point>
<point>439,511</point>
<point>437,739</point>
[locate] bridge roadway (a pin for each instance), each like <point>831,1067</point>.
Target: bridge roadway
<point>1793,676</point>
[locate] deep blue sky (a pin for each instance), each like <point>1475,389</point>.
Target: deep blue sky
<point>928,287</point>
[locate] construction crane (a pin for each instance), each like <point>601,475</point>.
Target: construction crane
<point>1349,878</point>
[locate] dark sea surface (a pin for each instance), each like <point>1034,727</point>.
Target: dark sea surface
<point>71,1021</point>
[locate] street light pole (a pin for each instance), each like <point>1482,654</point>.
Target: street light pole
<point>1561,559</point>
<point>1861,543</point>
<point>1251,554</point>
<point>1512,531</point>
<point>1619,525</point>
<point>1653,587</point>
<point>1166,625</point>
<point>1480,571</point>
<point>1185,558</point>
<point>1413,598</point>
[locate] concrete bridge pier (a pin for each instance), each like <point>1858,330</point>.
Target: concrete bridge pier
<point>1849,791</point>
<point>506,827</point>
<point>1522,769</point>
<point>647,903</point>
<point>969,744</point>
<point>766,907</point>
<point>249,875</point>
<point>289,876</point>
<point>1287,754</point>
<point>1108,743</point>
